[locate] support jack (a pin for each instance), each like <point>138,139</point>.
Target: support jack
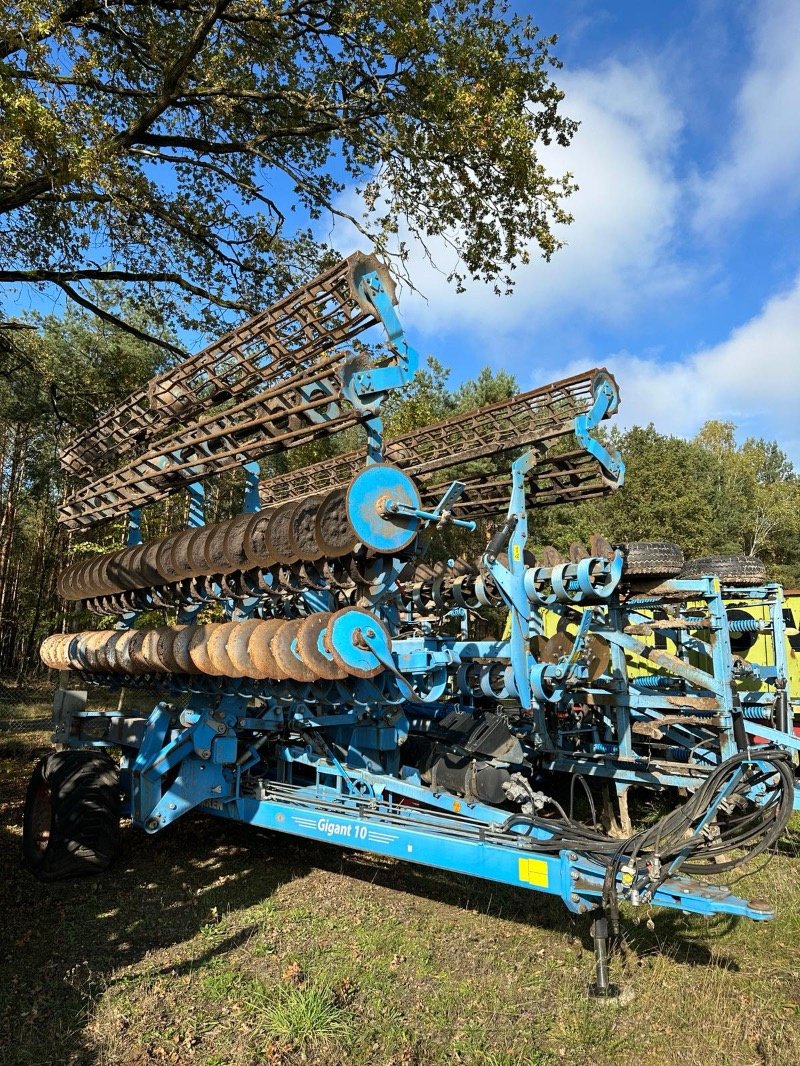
<point>602,989</point>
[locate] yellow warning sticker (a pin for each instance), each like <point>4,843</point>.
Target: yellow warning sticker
<point>533,872</point>
<point>517,553</point>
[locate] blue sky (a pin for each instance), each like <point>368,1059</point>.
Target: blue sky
<point>682,267</point>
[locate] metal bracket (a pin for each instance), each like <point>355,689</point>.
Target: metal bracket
<point>606,402</point>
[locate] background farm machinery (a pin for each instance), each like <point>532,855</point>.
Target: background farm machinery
<point>319,675</point>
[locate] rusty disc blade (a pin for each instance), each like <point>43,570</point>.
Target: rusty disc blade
<point>80,582</point>
<point>310,649</point>
<point>259,650</point>
<point>280,532</point>
<point>134,568</point>
<point>148,568</point>
<point>198,650</point>
<point>48,651</point>
<point>110,651</point>
<point>180,650</point>
<point>67,652</point>
<point>550,556</point>
<point>180,554</point>
<point>216,649</point>
<point>237,647</point>
<point>288,661</point>
<point>104,581</point>
<point>600,547</point>
<point>256,545</point>
<point>74,584</point>
<point>122,659</point>
<point>577,552</point>
<point>303,529</point>
<point>119,571</point>
<point>164,654</point>
<point>165,562</point>
<point>92,644</point>
<point>138,661</point>
<point>334,533</point>
<point>196,552</point>
<point>83,649</point>
<point>150,653</point>
<point>597,656</point>
<point>215,556</point>
<point>64,584</point>
<point>90,581</point>
<point>233,545</point>
<point>100,651</point>
<point>62,651</point>
<point>557,647</point>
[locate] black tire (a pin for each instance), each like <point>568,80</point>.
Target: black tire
<point>652,558</point>
<point>730,569</point>
<point>72,809</point>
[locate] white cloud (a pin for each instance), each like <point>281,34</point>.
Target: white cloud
<point>762,158</point>
<point>752,378</point>
<point>616,254</point>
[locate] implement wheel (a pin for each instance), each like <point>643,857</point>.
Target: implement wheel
<point>652,558</point>
<point>730,569</point>
<point>72,810</point>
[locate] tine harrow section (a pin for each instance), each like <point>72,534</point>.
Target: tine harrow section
<point>567,478</point>
<point>306,407</point>
<point>531,417</point>
<point>282,340</point>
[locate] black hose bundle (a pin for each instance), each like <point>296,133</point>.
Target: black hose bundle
<point>741,807</point>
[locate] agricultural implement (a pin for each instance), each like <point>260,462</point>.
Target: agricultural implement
<point>318,674</point>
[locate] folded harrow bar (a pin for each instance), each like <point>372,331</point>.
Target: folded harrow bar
<point>536,417</point>
<point>560,479</point>
<point>280,342</point>
<point>308,394</point>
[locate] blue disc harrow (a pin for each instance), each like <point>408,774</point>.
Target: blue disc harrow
<point>319,674</point>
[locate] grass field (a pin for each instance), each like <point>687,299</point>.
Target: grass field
<point>214,944</point>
